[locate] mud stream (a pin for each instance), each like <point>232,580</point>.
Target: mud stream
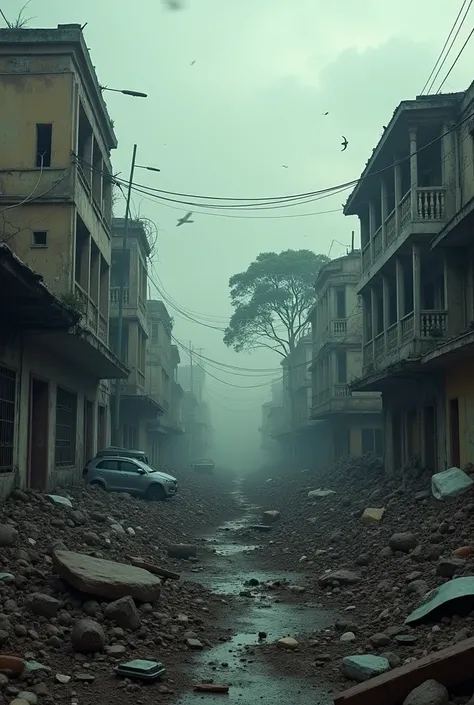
<point>251,680</point>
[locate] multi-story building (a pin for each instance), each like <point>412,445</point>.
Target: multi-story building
<point>162,369</point>
<point>137,406</point>
<point>197,441</point>
<point>55,213</point>
<point>354,419</point>
<point>414,202</point>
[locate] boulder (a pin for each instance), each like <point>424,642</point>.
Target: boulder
<point>88,637</point>
<point>8,535</point>
<point>428,693</point>
<point>404,542</point>
<point>287,643</point>
<point>362,667</point>
<point>109,579</point>
<point>43,605</point>
<point>448,567</point>
<point>343,577</point>
<point>124,613</point>
<point>379,640</point>
<point>271,516</point>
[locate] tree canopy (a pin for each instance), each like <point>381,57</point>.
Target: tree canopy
<point>271,300</point>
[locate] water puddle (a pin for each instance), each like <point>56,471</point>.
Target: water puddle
<point>236,662</point>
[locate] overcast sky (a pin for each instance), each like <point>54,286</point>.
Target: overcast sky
<point>265,73</point>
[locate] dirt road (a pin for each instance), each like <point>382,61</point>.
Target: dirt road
<point>255,605</point>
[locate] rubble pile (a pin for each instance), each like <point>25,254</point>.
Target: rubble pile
<point>371,547</point>
<point>69,640</point>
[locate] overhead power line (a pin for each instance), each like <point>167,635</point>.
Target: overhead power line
<point>446,56</point>
<point>456,60</point>
<point>444,47</point>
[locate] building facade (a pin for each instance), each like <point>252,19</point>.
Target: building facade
<point>354,422</point>
<point>416,283</point>
<point>55,203</point>
<point>138,408</point>
<point>162,370</point>
<point>197,440</point>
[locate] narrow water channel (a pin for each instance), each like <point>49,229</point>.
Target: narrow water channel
<point>251,680</point>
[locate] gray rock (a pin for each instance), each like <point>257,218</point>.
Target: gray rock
<point>20,496</point>
<point>91,607</point>
<point>404,542</point>
<point>420,496</point>
<point>78,517</point>
<point>8,535</point>
<point>428,693</point>
<point>88,637</point>
<point>91,538</point>
<point>379,640</point>
<point>43,605</point>
<point>448,567</point>
<point>124,613</point>
<point>343,577</point>
<point>99,517</point>
<point>418,587</point>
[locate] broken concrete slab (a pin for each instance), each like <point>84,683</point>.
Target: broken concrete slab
<point>456,589</point>
<point>109,579</point>
<point>373,515</point>
<point>362,667</point>
<point>450,666</point>
<point>450,483</point>
<point>59,499</point>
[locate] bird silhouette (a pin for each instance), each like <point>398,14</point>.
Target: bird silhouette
<point>193,62</point>
<point>326,113</point>
<point>285,166</point>
<point>344,143</point>
<point>185,219</point>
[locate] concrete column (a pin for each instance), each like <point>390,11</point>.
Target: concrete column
<point>398,194</point>
<point>416,289</point>
<point>383,211</point>
<point>373,300</point>
<point>371,229</point>
<point>386,307</point>
<point>400,288</point>
<point>413,174</point>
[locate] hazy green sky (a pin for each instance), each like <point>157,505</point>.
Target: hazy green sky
<point>265,72</point>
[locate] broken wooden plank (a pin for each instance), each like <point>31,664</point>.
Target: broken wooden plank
<point>451,666</point>
<point>211,688</point>
<point>152,568</point>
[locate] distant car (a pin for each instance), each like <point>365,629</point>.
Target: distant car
<point>203,465</point>
<point>122,474</point>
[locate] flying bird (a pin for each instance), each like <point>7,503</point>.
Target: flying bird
<point>344,143</point>
<point>193,62</point>
<point>185,219</point>
<point>326,113</point>
<point>285,166</point>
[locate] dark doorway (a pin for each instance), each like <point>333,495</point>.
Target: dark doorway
<point>38,434</point>
<point>454,426</point>
<point>101,427</point>
<point>88,430</point>
<point>430,439</point>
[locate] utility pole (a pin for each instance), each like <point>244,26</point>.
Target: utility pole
<point>116,435</point>
<point>191,409</point>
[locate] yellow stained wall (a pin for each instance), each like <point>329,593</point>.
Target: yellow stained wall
<point>355,433</point>
<point>460,385</point>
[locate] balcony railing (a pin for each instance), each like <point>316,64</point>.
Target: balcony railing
<point>91,316</point>
<point>339,326</point>
<point>430,207</point>
<point>433,324</point>
<point>342,390</point>
<point>103,332</point>
<point>115,295</point>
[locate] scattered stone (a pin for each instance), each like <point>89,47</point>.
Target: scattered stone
<point>8,535</point>
<point>428,693</point>
<point>287,643</point>
<point>319,493</point>
<point>61,678</point>
<point>58,499</point>
<point>404,542</point>
<point>124,613</point>
<point>344,577</point>
<point>182,550</point>
<point>271,516</point>
<point>30,698</point>
<point>348,636</point>
<point>88,637</point>
<point>115,650</point>
<point>373,515</point>
<point>380,640</point>
<point>448,567</point>
<point>43,605</point>
<point>194,644</point>
<point>450,483</point>
<point>12,664</point>
<point>463,551</point>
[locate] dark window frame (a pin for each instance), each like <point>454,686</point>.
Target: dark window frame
<point>44,144</point>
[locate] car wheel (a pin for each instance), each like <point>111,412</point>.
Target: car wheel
<point>97,484</point>
<point>156,493</point>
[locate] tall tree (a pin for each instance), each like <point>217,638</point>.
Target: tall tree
<point>271,300</point>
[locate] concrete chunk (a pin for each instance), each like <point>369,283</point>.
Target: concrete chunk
<point>109,579</point>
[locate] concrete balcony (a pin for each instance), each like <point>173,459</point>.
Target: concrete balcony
<point>333,333</point>
<point>404,339</point>
<point>92,319</point>
<point>339,399</point>
<point>421,211</point>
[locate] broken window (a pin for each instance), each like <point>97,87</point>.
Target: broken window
<point>44,135</point>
